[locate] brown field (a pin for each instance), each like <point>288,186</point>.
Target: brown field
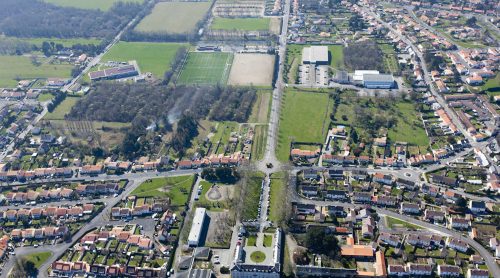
<point>252,69</point>
<point>275,26</point>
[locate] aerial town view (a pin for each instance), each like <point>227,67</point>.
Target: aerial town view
<point>249,138</point>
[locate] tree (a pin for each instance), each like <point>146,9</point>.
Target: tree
<point>321,242</point>
<point>471,22</point>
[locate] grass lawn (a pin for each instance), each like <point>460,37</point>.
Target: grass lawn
<point>174,17</point>
<point>258,256</point>
<point>62,109</point>
<point>151,57</point>
<point>259,142</point>
<point>251,201</point>
<point>276,198</point>
<point>305,118</point>
<point>241,24</point>
<point>408,128</point>
<point>268,240</point>
<point>21,67</point>
<point>206,68</point>
<point>396,222</point>
<point>337,56</point>
<point>38,258</point>
<point>176,188</point>
<point>492,86</point>
<point>45,97</point>
<point>102,5</point>
<point>252,240</point>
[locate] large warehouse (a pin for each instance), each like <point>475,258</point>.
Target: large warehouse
<point>315,54</point>
<point>197,227</point>
<point>378,81</point>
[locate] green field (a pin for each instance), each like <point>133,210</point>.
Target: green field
<point>276,201</point>
<point>259,142</point>
<point>305,118</point>
<point>408,128</point>
<point>21,67</point>
<point>174,17</point>
<point>206,68</point>
<point>151,57</point>
<point>251,198</point>
<point>38,258</point>
<point>391,222</point>
<point>492,86</point>
<point>62,109</point>
<point>176,188</point>
<point>241,24</point>
<point>102,5</point>
<point>337,56</point>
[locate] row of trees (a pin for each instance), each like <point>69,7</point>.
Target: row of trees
<point>174,66</point>
<point>33,18</point>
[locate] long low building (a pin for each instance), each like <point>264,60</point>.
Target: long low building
<point>315,54</point>
<point>114,73</point>
<point>197,227</point>
<point>378,81</point>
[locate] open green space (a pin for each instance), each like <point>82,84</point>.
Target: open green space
<point>492,86</point>
<point>394,223</point>
<point>268,240</point>
<point>336,56</point>
<point>38,258</point>
<point>206,68</point>
<point>251,240</point>
<point>241,24</point>
<point>259,142</point>
<point>407,127</point>
<point>174,17</point>
<point>102,5</point>
<point>257,256</point>
<point>305,118</point>
<point>176,188</point>
<point>276,198</point>
<point>151,57</point>
<point>62,109</point>
<point>22,67</point>
<point>251,193</point>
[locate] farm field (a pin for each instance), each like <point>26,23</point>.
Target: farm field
<point>151,57</point>
<point>241,24</point>
<point>305,118</point>
<point>22,67</point>
<point>102,5</point>
<point>206,68</point>
<point>174,17</point>
<point>176,188</point>
<point>252,69</point>
<point>62,109</point>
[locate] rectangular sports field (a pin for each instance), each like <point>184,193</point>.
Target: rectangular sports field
<point>206,68</point>
<point>21,67</point>
<point>305,118</point>
<point>241,24</point>
<point>102,5</point>
<point>151,57</point>
<point>174,17</point>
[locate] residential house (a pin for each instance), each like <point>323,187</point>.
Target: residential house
<point>410,208</point>
<point>335,174</point>
<point>459,223</point>
<point>478,273</point>
<point>336,194</point>
<point>389,239</point>
<point>457,244</point>
<point>433,215</point>
<point>397,271</point>
<point>477,206</point>
<point>382,178</point>
<point>419,269</point>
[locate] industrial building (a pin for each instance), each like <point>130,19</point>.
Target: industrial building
<point>114,73</point>
<point>378,81</point>
<point>358,74</point>
<point>197,227</point>
<point>315,54</point>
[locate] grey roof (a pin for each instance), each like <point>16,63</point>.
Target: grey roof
<point>378,78</point>
<point>200,273</point>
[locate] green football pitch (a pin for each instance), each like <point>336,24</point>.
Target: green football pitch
<point>206,68</point>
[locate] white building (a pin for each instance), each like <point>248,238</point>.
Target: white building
<point>315,54</point>
<point>358,74</point>
<point>197,227</point>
